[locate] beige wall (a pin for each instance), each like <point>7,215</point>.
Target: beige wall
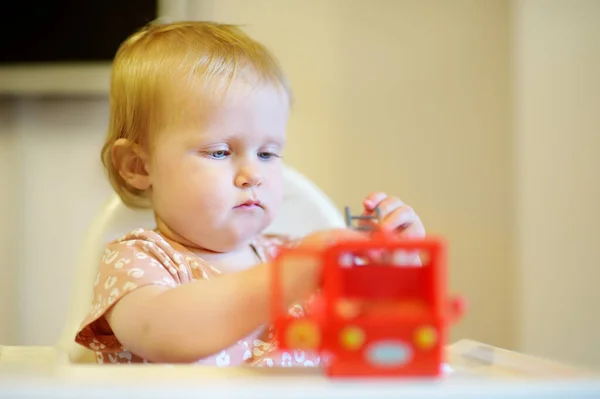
<point>415,97</point>
<point>558,179</point>
<point>52,183</point>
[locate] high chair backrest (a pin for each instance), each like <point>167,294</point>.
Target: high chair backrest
<point>305,208</point>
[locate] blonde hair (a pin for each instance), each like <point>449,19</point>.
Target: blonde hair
<point>160,59</point>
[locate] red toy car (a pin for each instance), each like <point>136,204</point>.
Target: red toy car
<point>376,314</point>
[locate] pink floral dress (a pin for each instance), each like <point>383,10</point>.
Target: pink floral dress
<point>144,257</point>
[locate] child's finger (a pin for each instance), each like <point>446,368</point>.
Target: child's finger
<point>386,206</point>
<point>372,200</point>
<point>399,219</point>
<point>389,205</point>
<point>413,230</point>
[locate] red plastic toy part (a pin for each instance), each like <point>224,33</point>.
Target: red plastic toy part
<point>379,312</point>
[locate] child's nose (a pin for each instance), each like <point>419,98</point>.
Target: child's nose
<point>248,177</point>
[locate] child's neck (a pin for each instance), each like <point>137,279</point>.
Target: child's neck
<point>230,262</point>
<point>241,258</point>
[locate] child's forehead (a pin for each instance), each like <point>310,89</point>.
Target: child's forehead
<point>212,103</point>
<point>221,93</point>
<point>239,113</point>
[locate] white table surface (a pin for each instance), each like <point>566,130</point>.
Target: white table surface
<point>42,372</point>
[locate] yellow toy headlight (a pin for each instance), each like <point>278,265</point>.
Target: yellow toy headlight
<point>303,334</point>
<point>352,338</point>
<point>425,337</point>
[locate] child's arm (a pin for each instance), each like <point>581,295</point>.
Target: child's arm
<point>195,320</point>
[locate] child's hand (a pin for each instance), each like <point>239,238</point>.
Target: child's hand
<point>395,215</point>
<point>323,238</point>
<point>302,273</point>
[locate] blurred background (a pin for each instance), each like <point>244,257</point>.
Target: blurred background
<point>482,114</point>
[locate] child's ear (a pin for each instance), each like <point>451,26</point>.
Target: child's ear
<point>131,164</point>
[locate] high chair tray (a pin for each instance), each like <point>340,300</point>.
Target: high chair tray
<point>43,372</point>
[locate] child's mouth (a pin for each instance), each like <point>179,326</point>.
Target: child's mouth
<point>249,204</point>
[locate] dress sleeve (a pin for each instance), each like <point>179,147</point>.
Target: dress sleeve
<point>125,266</point>
<point>272,243</point>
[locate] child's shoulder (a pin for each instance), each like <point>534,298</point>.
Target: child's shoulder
<point>147,241</point>
<point>140,235</point>
<point>144,248</point>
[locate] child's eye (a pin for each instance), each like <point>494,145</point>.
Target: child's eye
<point>265,156</point>
<point>221,154</point>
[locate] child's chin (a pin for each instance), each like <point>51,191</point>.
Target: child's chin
<point>249,232</point>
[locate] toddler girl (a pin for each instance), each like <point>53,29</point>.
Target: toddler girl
<point>198,115</point>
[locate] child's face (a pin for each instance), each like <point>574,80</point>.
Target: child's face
<point>207,163</point>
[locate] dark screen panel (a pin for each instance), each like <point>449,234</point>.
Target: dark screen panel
<point>53,31</point>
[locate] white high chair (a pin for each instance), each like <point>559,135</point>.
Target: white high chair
<point>305,208</point>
